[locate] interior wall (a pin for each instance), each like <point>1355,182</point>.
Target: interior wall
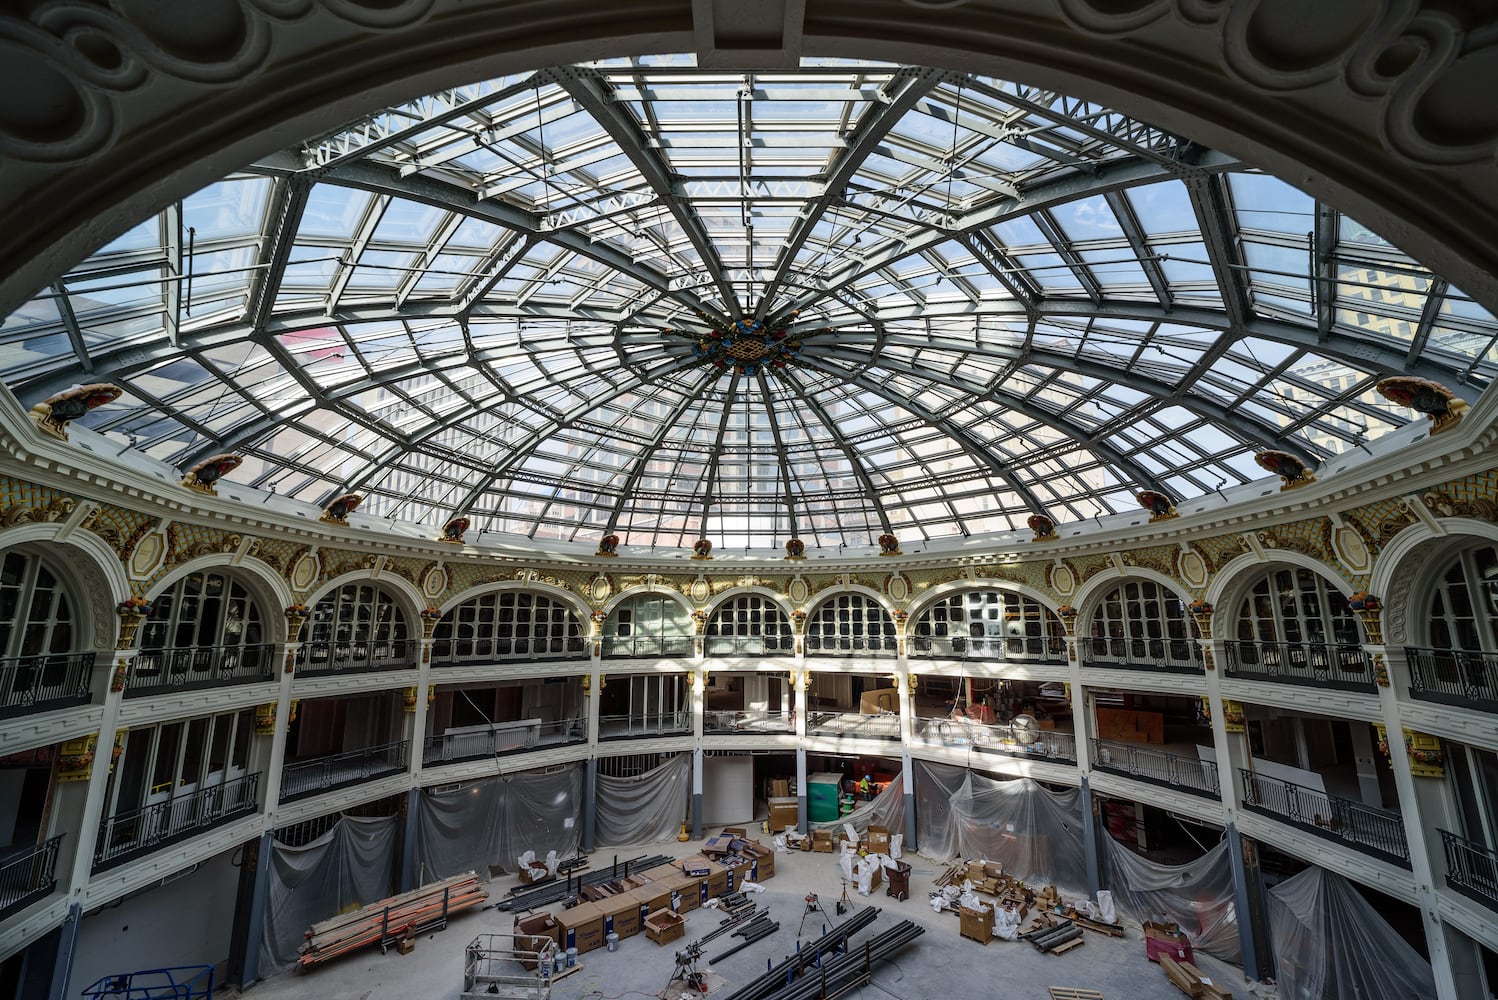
<point>727,790</point>
<point>185,922</point>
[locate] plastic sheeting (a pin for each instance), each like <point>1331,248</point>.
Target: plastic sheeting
<point>353,864</point>
<point>1035,833</point>
<point>1331,944</point>
<point>644,809</point>
<point>887,809</point>
<point>1197,896</point>
<point>493,822</point>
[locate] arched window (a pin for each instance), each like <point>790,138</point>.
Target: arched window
<point>1294,626</point>
<point>648,625</point>
<point>1141,623</point>
<point>507,625</point>
<point>205,629</point>
<point>356,627</point>
<point>988,624</point>
<point>850,623</point>
<point>749,625</point>
<point>39,667</point>
<point>1460,666</point>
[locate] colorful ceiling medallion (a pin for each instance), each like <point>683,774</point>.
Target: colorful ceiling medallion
<point>747,347</point>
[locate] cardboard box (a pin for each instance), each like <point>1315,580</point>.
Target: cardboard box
<point>621,915</point>
<point>782,814</point>
<point>821,841</point>
<point>686,893</point>
<point>975,924</point>
<point>735,831</point>
<point>780,788</point>
<point>718,845</point>
<point>664,926</point>
<point>878,837</point>
<point>663,873</point>
<point>717,881</point>
<point>697,866</point>
<point>582,927</point>
<point>653,897</point>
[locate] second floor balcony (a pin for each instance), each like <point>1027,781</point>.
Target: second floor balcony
<point>1471,869</point>
<point>651,647</point>
<point>1346,666</point>
<point>1176,656</point>
<point>138,832</point>
<point>1026,649</point>
<point>316,659</point>
<point>28,876</point>
<point>1454,677</point>
<point>42,683</point>
<point>300,779</point>
<point>881,725</point>
<point>631,725</point>
<point>1373,831</point>
<point>1182,772</point>
<point>155,670</point>
<point>1010,739</point>
<point>746,722</point>
<point>479,742</point>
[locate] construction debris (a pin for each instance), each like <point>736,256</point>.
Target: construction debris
<point>391,921</point>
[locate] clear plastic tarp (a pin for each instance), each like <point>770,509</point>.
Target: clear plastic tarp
<point>493,822</point>
<point>887,809</point>
<point>1331,944</point>
<point>1197,896</point>
<point>1034,832</point>
<point>643,808</point>
<point>351,865</point>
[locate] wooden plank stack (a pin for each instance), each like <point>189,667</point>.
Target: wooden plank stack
<point>390,920</point>
<point>1073,993</point>
<point>1189,980</point>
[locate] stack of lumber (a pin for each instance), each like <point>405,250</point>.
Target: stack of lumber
<point>1097,926</point>
<point>1189,980</point>
<point>386,922</point>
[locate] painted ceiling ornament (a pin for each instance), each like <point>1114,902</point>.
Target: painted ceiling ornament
<point>52,414</point>
<point>452,531</point>
<point>1158,504</point>
<point>338,511</point>
<point>702,549</point>
<point>748,347</point>
<point>1433,399</point>
<point>1044,528</point>
<point>608,546</point>
<point>795,548</point>
<point>1290,469</point>
<point>209,471</point>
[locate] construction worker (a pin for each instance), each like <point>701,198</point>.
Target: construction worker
<point>866,788</point>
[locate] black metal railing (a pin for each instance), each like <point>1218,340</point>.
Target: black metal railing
<point>882,725</point>
<point>452,748</point>
<point>315,659</point>
<point>663,723</point>
<point>28,877</point>
<point>1177,656</point>
<point>38,683</point>
<point>457,652</point>
<point>749,645</point>
<point>200,666</point>
<point>747,723</point>
<point>1158,767</point>
<point>957,647</point>
<point>1471,869</point>
<point>323,774</point>
<point>140,831</point>
<point>1346,665</point>
<point>1374,831</point>
<point>648,646</point>
<point>850,645</point>
<point>1454,677</point>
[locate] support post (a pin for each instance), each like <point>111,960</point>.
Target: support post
<point>801,812</point>
<point>1248,900</point>
<point>697,794</point>
<point>908,782</point>
<point>1091,838</point>
<point>408,840</point>
<point>249,916</point>
<point>67,948</point>
<point>590,817</point>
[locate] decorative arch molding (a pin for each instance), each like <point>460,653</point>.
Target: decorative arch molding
<point>155,107</point>
<point>1232,582</point>
<point>777,598</point>
<point>919,606</point>
<point>403,591</point>
<point>268,587</point>
<point>1413,560</point>
<point>1090,595</point>
<point>826,594</point>
<point>102,575</point>
<point>643,590</point>
<point>561,594</point>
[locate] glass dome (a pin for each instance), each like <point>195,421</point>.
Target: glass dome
<point>646,299</point>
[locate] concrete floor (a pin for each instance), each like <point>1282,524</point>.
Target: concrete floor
<point>938,964</point>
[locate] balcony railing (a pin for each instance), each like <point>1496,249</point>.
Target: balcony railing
<point>648,646</point>
<point>1374,831</point>
<point>502,738</point>
<point>839,645</point>
<point>1014,741</point>
<point>747,723</point>
<point>1177,656</point>
<point>141,831</point>
<point>1317,664</point>
<point>28,877</point>
<point>352,767</point>
<point>957,647</point>
<point>527,649</point>
<point>1471,869</point>
<point>749,645</point>
<point>151,670</point>
<point>1454,677</point>
<point>854,725</point>
<point>38,683</point>
<point>620,727</point>
<point>1158,767</point>
<point>315,659</point>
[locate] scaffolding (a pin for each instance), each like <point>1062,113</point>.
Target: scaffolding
<point>509,967</point>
